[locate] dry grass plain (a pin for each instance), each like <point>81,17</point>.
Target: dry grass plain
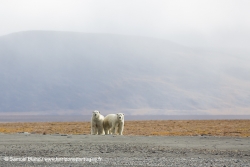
<point>239,128</point>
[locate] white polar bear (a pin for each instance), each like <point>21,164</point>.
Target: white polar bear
<point>113,123</point>
<point>97,123</point>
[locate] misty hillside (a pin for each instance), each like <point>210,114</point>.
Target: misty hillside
<point>66,72</point>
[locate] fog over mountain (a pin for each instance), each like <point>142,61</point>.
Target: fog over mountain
<point>74,73</point>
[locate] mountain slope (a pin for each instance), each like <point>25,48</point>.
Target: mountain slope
<point>63,72</point>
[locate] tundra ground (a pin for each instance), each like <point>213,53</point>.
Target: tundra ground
<point>230,128</point>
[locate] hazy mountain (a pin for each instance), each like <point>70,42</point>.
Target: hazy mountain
<point>66,72</point>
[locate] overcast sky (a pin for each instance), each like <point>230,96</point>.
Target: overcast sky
<point>217,23</point>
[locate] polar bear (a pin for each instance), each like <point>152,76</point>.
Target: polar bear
<point>97,123</point>
<point>113,123</point>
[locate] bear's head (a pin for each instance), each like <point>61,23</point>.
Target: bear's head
<point>120,116</point>
<point>96,114</point>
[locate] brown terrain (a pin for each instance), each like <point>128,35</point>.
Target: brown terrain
<point>239,128</point>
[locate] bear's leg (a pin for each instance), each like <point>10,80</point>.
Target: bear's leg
<point>116,130</point>
<point>106,129</point>
<point>120,128</point>
<point>113,129</point>
<point>95,130</point>
<point>92,129</point>
<point>100,129</point>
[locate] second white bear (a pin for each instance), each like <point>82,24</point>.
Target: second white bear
<point>97,123</point>
<point>113,123</point>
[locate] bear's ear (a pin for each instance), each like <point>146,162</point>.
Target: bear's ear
<point>123,114</point>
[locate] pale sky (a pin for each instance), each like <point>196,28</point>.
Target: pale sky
<point>199,23</point>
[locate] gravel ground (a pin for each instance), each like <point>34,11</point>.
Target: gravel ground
<point>86,150</point>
